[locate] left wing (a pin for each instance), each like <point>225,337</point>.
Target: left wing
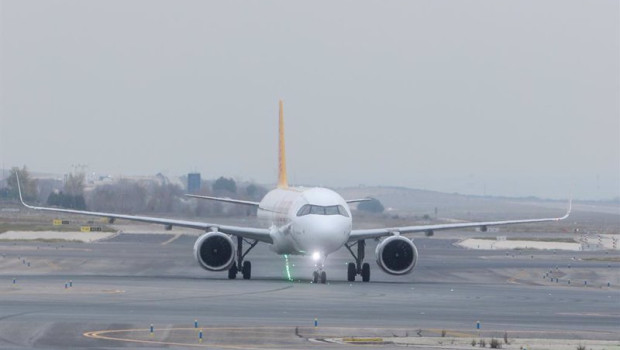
<point>259,234</point>
<point>429,229</point>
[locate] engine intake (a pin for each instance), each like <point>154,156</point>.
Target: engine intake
<point>214,251</point>
<point>396,255</point>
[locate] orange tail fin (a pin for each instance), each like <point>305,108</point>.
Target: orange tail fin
<point>282,180</point>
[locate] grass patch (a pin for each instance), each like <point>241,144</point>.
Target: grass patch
<point>604,258</point>
<point>532,239</point>
<point>41,240</point>
<point>5,227</point>
<point>495,344</point>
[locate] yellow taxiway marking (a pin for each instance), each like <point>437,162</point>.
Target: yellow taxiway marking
<point>114,334</point>
<point>124,335</point>
<point>452,333</point>
<point>112,291</point>
<point>102,335</point>
<point>363,340</point>
<point>174,238</point>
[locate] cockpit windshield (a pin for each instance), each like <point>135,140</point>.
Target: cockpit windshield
<point>310,209</point>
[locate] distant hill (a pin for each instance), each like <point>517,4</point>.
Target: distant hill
<point>403,201</point>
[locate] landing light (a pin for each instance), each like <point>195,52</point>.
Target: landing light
<point>316,256</point>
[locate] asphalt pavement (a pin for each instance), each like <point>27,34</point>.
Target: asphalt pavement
<point>108,294</point>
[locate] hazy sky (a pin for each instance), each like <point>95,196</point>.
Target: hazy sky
<point>503,97</point>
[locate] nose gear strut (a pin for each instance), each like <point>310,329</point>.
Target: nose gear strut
<point>319,275</point>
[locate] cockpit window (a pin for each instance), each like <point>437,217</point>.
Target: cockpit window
<point>333,210</point>
<point>305,210</point>
<point>320,210</point>
<point>317,210</point>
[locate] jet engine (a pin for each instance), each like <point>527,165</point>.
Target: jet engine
<point>396,255</point>
<point>214,251</point>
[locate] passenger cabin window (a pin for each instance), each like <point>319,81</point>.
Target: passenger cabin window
<point>320,210</point>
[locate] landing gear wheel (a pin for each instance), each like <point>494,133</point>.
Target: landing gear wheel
<point>232,272</point>
<point>323,277</point>
<point>247,270</point>
<point>315,277</point>
<point>365,272</point>
<point>351,272</point>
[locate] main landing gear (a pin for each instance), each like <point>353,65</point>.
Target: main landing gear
<point>358,267</point>
<point>245,267</point>
<point>319,276</point>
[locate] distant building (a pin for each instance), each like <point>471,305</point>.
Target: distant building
<point>193,182</point>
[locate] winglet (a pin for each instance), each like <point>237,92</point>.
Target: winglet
<point>282,180</point>
<point>570,208</point>
<point>19,190</point>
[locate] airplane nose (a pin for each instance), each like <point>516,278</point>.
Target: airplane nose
<point>325,234</point>
<point>330,226</point>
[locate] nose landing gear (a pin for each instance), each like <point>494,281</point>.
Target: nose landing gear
<point>359,267</point>
<point>319,275</point>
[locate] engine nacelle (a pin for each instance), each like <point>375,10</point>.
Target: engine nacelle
<point>214,251</point>
<point>396,255</point>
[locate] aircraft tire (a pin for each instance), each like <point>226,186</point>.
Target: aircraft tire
<point>232,272</point>
<point>351,272</point>
<point>323,277</point>
<point>365,272</point>
<point>247,270</point>
<point>315,277</point>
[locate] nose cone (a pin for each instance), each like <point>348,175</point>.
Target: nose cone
<point>323,234</point>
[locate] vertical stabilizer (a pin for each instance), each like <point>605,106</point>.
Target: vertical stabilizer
<point>282,181</point>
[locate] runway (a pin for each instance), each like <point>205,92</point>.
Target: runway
<point>131,281</point>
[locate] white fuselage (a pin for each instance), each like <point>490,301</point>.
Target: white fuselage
<point>314,221</point>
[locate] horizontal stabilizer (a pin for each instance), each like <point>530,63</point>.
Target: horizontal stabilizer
<point>225,200</point>
<point>358,200</point>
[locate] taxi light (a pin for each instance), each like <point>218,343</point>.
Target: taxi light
<point>316,256</point>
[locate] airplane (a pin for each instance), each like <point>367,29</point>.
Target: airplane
<point>304,221</point>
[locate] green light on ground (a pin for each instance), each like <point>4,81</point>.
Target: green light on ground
<point>287,268</point>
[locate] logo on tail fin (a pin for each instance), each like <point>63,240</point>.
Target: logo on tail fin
<point>282,181</point>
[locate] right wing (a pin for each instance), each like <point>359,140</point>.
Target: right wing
<point>382,232</point>
<point>259,234</point>
<point>225,200</point>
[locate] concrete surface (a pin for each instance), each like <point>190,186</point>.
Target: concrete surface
<point>124,284</point>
